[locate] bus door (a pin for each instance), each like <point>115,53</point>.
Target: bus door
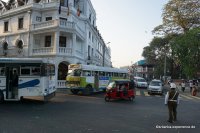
<point>12,79</point>
<point>96,81</point>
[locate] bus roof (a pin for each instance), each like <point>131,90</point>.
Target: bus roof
<point>23,60</point>
<point>97,68</point>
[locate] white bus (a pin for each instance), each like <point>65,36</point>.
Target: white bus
<point>87,79</point>
<point>35,78</point>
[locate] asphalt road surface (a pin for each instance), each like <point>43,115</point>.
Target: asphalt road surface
<point>68,113</point>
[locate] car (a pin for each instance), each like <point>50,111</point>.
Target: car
<point>155,86</point>
<point>140,82</point>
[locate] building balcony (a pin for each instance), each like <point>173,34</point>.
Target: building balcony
<point>62,24</point>
<point>13,52</point>
<point>43,51</point>
<point>51,51</point>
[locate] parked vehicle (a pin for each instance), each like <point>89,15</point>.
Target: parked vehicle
<point>155,86</point>
<point>140,82</point>
<point>120,89</point>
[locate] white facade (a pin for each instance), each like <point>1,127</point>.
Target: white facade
<point>43,28</point>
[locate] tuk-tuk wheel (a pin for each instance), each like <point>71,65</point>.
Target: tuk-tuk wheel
<point>131,98</point>
<point>107,99</point>
<point>1,97</point>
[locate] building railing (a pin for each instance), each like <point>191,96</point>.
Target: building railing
<point>51,50</point>
<point>61,23</point>
<point>65,51</point>
<point>43,51</point>
<point>61,84</point>
<point>46,24</point>
<point>12,52</point>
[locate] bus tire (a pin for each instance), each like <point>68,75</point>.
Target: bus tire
<point>88,90</point>
<point>75,92</point>
<point>1,97</point>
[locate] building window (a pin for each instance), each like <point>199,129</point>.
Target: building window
<point>6,26</point>
<point>5,48</point>
<point>47,41</point>
<point>48,18</point>
<point>39,19</point>
<point>88,50</point>
<point>20,23</point>
<point>62,41</point>
<point>89,35</point>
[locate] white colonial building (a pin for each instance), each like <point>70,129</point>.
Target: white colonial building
<point>62,30</point>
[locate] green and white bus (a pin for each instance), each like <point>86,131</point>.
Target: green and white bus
<point>87,79</point>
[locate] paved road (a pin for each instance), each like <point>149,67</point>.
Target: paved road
<point>67,113</point>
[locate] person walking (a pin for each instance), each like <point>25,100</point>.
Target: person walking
<point>15,79</point>
<point>172,100</point>
<point>183,86</point>
<point>191,85</point>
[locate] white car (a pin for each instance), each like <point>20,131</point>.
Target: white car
<point>155,86</point>
<point>140,82</point>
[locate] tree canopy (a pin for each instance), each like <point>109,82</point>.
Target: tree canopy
<point>178,40</point>
<point>179,16</point>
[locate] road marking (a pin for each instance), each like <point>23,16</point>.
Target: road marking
<point>138,93</point>
<point>190,97</point>
<point>186,96</point>
<point>146,94</point>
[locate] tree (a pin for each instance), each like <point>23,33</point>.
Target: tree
<point>187,49</point>
<point>179,16</point>
<point>155,54</point>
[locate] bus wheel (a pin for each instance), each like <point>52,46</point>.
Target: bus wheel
<point>88,90</point>
<point>1,97</point>
<point>75,92</point>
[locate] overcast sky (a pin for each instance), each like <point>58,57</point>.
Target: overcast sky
<point>128,25</point>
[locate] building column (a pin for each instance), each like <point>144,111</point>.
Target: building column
<point>74,45</point>
<point>56,73</point>
<point>56,42</point>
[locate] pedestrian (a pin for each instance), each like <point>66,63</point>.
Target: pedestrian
<point>15,79</point>
<point>183,85</point>
<point>172,100</point>
<point>191,85</point>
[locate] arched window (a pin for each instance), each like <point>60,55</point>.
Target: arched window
<point>20,46</point>
<point>5,48</point>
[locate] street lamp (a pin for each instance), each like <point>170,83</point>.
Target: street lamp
<point>104,50</point>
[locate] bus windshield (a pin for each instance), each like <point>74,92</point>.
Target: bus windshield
<point>75,72</point>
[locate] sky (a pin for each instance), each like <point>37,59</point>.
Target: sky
<point>127,25</point>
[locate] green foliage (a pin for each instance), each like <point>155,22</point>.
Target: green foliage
<point>187,48</point>
<point>179,16</point>
<point>155,54</point>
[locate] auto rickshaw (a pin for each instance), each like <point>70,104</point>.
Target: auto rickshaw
<point>120,89</point>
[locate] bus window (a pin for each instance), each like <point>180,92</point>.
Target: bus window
<point>70,72</point>
<point>35,71</point>
<point>51,70</point>
<point>86,73</point>
<point>2,71</point>
<point>77,72</point>
<point>25,71</point>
